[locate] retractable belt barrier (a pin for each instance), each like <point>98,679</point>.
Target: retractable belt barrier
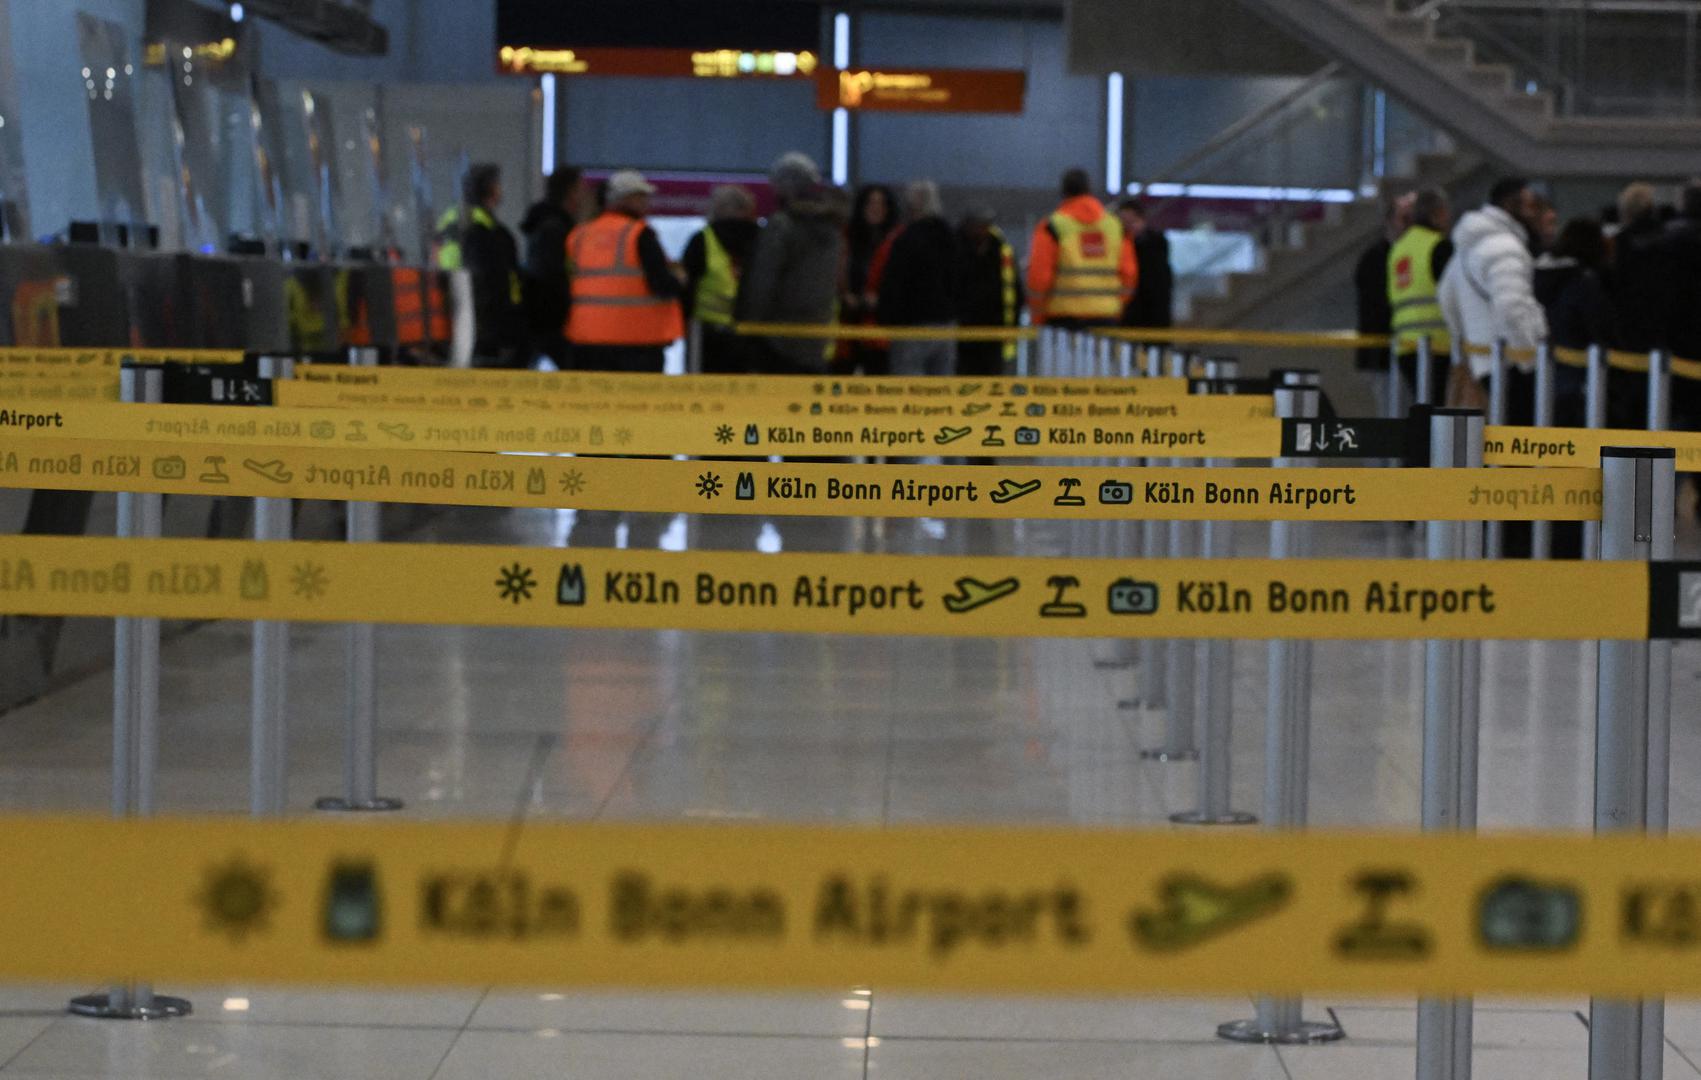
<point>293,581</point>
<point>681,433</point>
<point>96,363</point>
<point>1151,335</point>
<point>771,907</point>
<point>803,488</point>
<point>1108,404</point>
<point>734,432</point>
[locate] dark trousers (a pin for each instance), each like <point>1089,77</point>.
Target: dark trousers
<point>724,352</point>
<point>625,358</point>
<point>980,359</point>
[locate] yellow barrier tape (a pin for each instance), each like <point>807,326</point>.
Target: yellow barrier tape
<point>1276,339</point>
<point>547,905</point>
<point>973,407</point>
<point>636,434</point>
<point>1616,358</point>
<point>805,488</point>
<point>821,593</point>
<point>848,332</point>
<point>58,388</point>
<point>17,360</point>
<point>1581,447</point>
<point>609,384</point>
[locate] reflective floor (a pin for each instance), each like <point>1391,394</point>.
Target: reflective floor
<point>668,726</point>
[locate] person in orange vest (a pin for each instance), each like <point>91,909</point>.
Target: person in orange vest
<point>625,296</point>
<point>1081,264</point>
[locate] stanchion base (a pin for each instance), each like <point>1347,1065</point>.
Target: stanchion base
<point>100,1007</point>
<point>1309,1032</point>
<point>1199,817</point>
<point>338,803</point>
<point>1158,753</point>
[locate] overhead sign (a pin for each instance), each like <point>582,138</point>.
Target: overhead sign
<point>656,63</point>
<point>822,593</point>
<point>660,485</point>
<point>921,90</point>
<point>770,907</point>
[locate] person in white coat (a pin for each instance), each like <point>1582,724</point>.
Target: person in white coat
<point>1487,293</point>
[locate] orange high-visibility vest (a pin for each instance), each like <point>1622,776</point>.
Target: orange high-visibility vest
<point>612,303</point>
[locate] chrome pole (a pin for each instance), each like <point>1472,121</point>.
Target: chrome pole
<point>135,715</point>
<point>1632,732</point>
<point>1286,760</point>
<point>1450,716</point>
<point>1595,406</point>
<point>1494,534</point>
<point>360,729</point>
<point>1214,667</point>
<point>1424,372</point>
<point>268,740</point>
<point>1179,740</point>
<point>1154,544</point>
<point>1541,532</point>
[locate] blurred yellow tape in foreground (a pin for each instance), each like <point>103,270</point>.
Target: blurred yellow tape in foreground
<point>822,593</point>
<point>762,487</point>
<point>976,909</point>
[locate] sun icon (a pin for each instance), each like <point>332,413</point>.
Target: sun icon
<point>723,434</point>
<point>309,580</point>
<point>237,898</point>
<point>708,485</point>
<point>623,435</point>
<point>572,482</point>
<point>516,583</point>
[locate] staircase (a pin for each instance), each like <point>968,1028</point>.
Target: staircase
<point>1443,79</point>
<point>1321,257</point>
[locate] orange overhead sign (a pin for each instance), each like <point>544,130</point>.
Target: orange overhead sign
<point>657,63</point>
<point>941,90</point>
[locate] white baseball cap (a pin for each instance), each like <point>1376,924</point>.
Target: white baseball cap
<point>628,182</point>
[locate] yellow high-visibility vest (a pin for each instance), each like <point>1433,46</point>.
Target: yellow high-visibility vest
<point>717,289</point>
<point>1411,292</point>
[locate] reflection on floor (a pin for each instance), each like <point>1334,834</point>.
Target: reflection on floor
<point>635,725</point>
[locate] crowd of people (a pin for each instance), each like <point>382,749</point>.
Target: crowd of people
<point>1508,271</point>
<point>591,288</point>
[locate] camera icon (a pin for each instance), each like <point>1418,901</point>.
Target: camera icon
<point>1116,493</point>
<point>1130,597</point>
<point>1027,436</point>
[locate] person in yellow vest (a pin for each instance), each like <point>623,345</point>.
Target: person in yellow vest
<point>471,237</point>
<point>625,298</point>
<point>1081,263</point>
<point>1415,263</point>
<point>989,292</point>
<point>714,260</point>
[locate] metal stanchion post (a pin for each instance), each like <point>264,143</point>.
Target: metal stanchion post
<point>1154,544</point>
<point>1632,732</point>
<point>1214,668</point>
<point>1541,532</point>
<point>1179,741</point>
<point>135,716</point>
<point>1659,390</point>
<point>268,737</point>
<point>694,347</point>
<point>1595,407</point>
<point>1450,717</point>
<point>360,753</point>
<point>1286,757</point>
<point>1494,535</point>
<point>1423,372</point>
<point>1393,393</point>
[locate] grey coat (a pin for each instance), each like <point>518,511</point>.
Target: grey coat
<point>793,276</point>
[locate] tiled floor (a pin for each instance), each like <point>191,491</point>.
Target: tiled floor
<point>494,723</point>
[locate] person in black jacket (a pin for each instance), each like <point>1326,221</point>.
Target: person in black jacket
<point>1641,296</point>
<point>492,259</point>
<point>874,215</point>
<point>545,228</point>
<point>1153,302</point>
<point>1571,286</point>
<point>989,292</point>
<point>918,283</point>
<point>1683,311</point>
